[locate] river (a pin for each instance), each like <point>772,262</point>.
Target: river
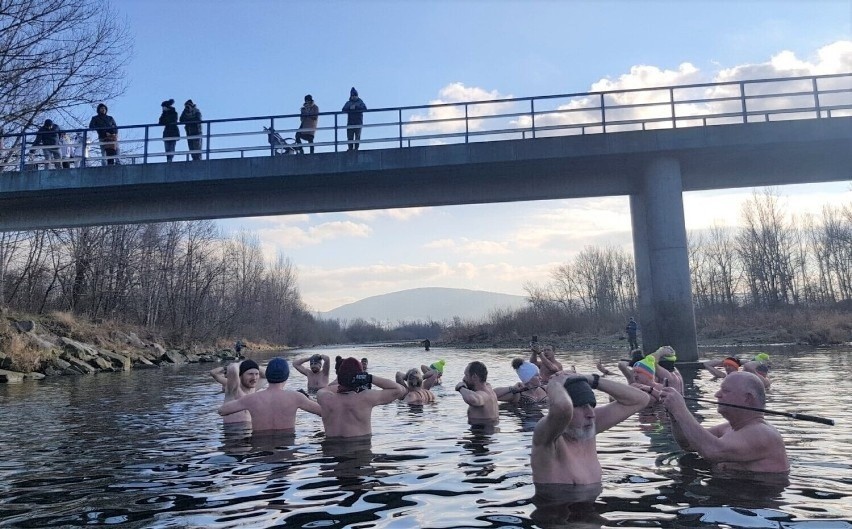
<point>147,449</point>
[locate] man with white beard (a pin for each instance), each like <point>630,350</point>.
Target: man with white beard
<point>564,449</point>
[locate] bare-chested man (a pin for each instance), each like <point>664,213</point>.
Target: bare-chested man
<point>273,408</point>
<point>432,373</point>
<point>412,381</point>
<point>546,361</point>
<point>347,407</point>
<point>317,372</point>
<point>477,393</point>
<point>238,379</point>
<point>745,442</point>
<point>564,450</point>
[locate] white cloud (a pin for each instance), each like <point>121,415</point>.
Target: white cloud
<point>450,119</point>
<point>469,247</point>
<point>401,214</point>
<point>296,237</point>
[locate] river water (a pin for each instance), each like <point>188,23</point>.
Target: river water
<point>147,449</point>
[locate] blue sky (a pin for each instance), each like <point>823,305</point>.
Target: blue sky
<point>256,57</point>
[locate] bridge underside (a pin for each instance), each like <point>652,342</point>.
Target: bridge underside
<point>653,167</point>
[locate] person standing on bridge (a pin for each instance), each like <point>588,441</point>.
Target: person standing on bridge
<point>191,118</point>
<point>107,131</point>
<point>354,109</point>
<point>169,118</point>
<point>308,125</point>
<point>48,138</point>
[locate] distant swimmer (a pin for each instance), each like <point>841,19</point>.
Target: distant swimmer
<point>529,390</point>
<point>477,393</point>
<point>319,367</point>
<point>760,367</point>
<point>564,450</point>
<point>229,377</point>
<point>728,365</point>
<point>347,406</point>
<point>412,381</point>
<point>546,361</point>
<point>746,442</point>
<point>432,373</point>
<point>274,408</point>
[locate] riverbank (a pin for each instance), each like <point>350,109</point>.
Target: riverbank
<point>61,344</point>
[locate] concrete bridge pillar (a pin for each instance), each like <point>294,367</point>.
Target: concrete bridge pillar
<point>666,315</point>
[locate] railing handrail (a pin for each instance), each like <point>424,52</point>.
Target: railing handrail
<point>605,104</point>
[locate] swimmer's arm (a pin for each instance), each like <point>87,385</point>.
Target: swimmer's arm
<point>507,394</point>
<point>326,364</point>
<point>218,374</point>
<point>627,371</point>
<point>560,412</point>
<point>298,364</point>
<point>628,400</point>
<point>390,391</point>
<point>235,406</point>
<point>400,379</point>
<point>472,398</point>
<point>552,365</point>
<point>710,365</point>
<point>309,405</point>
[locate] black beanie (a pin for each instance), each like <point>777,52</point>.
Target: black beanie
<point>245,365</point>
<point>167,103</point>
<point>580,391</point>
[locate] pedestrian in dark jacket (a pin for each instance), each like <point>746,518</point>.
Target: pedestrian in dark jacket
<point>48,138</point>
<point>355,118</point>
<point>107,131</point>
<point>169,118</point>
<point>191,118</point>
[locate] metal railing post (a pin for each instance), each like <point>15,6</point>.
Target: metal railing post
<point>207,147</point>
<point>84,147</point>
<point>335,132</point>
<point>671,103</point>
<point>816,98</point>
<point>466,124</point>
<point>603,115</point>
<point>23,160</point>
<point>532,116</point>
<point>145,149</point>
<point>399,118</point>
<point>268,137</point>
<point>743,102</point>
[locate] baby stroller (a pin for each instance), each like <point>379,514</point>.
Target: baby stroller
<point>280,146</point>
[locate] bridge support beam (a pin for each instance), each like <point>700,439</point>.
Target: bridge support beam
<point>666,315</point>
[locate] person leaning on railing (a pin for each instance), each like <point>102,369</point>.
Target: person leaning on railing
<point>48,138</point>
<point>191,118</point>
<point>107,131</point>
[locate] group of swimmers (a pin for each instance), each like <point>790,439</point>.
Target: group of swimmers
<point>563,443</point>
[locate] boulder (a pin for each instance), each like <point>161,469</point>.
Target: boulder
<point>173,356</point>
<point>40,342</point>
<point>192,358</point>
<point>119,361</point>
<point>32,375</point>
<point>134,340</point>
<point>76,349</point>
<point>79,365</point>
<point>24,325</point>
<point>60,364</point>
<point>159,349</point>
<point>11,377</point>
<point>143,363</point>
<point>102,363</point>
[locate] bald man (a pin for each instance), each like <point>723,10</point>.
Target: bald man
<point>745,442</point>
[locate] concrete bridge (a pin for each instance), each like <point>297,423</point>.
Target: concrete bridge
<point>713,136</point>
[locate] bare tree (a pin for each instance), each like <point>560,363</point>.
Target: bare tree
<point>56,55</point>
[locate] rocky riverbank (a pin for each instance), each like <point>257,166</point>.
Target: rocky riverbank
<point>34,350</point>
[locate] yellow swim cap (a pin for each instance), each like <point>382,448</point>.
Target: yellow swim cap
<point>647,366</point>
<point>439,366</point>
<point>761,357</point>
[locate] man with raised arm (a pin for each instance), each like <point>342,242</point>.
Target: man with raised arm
<point>546,361</point>
<point>274,408</point>
<point>564,450</point>
<point>477,393</point>
<point>348,406</point>
<point>745,442</point>
<point>412,381</point>
<point>317,374</point>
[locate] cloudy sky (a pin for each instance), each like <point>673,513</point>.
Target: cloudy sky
<point>259,57</point>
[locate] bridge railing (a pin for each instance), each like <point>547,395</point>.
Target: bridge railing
<point>695,105</point>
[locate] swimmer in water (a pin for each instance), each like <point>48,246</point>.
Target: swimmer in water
<point>529,390</point>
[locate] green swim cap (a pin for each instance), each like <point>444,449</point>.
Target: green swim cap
<point>761,357</point>
<point>668,353</point>
<point>647,365</point>
<point>439,366</point>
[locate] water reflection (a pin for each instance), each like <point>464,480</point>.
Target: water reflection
<point>559,505</point>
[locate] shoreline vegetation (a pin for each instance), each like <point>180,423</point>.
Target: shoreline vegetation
<point>60,343</point>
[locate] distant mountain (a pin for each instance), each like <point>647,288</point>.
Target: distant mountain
<point>425,304</point>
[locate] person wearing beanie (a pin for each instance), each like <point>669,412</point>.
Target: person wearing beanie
<point>107,130</point>
<point>317,372</point>
<point>347,406</point>
<point>191,118</point>
<point>563,443</point>
<point>529,390</point>
<point>412,381</point>
<point>169,120</point>
<point>432,373</point>
<point>728,365</point>
<point>274,408</point>
<point>308,125</point>
<point>479,396</point>
<point>666,372</point>
<point>238,380</point>
<point>760,367</point>
<point>354,108</point>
